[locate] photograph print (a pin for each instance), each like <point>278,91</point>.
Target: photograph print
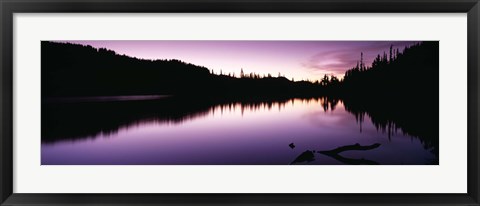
<point>239,102</point>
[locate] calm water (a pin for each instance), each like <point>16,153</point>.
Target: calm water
<point>185,132</point>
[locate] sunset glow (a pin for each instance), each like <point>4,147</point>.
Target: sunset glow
<point>300,60</point>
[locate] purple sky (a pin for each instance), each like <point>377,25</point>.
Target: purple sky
<point>293,59</point>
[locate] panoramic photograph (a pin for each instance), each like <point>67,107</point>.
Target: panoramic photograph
<point>239,102</point>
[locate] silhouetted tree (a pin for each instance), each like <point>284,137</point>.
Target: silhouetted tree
<point>391,54</point>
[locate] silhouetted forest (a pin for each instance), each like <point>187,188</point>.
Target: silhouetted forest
<point>77,70</point>
<point>413,72</point>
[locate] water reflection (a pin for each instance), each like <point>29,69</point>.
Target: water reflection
<point>67,120</point>
<point>219,131</point>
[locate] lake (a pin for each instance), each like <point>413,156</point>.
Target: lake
<point>195,131</point>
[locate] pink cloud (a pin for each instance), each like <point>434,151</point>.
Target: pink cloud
<point>337,60</point>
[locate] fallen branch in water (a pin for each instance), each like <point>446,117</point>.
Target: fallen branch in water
<point>334,154</point>
<point>352,147</point>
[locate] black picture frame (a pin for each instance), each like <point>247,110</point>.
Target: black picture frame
<point>10,7</point>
